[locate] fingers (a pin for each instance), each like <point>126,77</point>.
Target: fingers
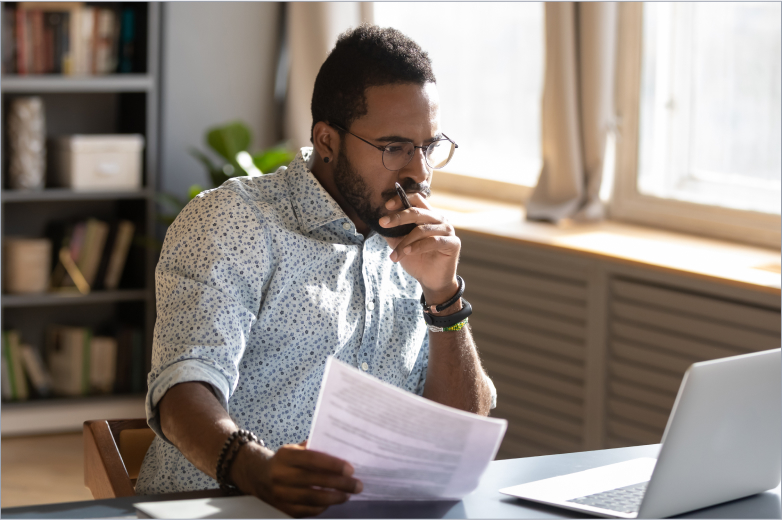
<point>425,239</point>
<point>298,456</point>
<point>298,477</point>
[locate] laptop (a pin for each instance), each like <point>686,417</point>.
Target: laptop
<point>723,441</point>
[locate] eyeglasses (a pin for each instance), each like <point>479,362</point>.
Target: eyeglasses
<point>398,155</point>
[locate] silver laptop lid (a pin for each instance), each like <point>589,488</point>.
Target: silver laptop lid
<point>723,439</point>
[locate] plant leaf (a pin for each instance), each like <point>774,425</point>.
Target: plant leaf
<point>271,159</point>
<point>194,190</point>
<point>229,139</point>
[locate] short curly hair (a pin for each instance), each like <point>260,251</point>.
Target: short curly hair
<point>367,56</point>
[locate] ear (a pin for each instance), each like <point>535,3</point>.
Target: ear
<point>325,139</point>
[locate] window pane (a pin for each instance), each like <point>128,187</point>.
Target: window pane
<point>488,59</point>
<point>711,104</point>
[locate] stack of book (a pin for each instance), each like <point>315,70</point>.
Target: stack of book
<point>96,253</point>
<point>71,38</point>
<point>78,363</point>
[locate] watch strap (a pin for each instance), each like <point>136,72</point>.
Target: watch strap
<point>451,319</point>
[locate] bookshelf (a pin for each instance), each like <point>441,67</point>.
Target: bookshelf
<point>87,104</point>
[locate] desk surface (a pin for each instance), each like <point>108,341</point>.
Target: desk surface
<point>484,502</point>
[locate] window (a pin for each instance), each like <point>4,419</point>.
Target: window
<point>701,100</point>
<point>488,60</point>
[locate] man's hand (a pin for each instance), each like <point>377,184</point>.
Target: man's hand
<point>295,480</point>
<point>430,252</point>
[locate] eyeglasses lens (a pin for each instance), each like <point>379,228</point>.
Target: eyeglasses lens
<point>397,155</point>
<point>439,153</point>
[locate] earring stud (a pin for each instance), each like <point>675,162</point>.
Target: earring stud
<point>326,160</point>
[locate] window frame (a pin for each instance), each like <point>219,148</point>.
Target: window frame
<point>627,203</point>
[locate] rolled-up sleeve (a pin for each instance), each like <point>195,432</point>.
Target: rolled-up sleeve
<point>209,284</point>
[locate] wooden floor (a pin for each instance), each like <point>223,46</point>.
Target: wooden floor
<point>42,470</point>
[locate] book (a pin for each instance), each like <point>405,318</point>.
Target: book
<point>118,254</point>
<point>5,380</point>
<point>21,42</point>
<point>36,370</point>
<point>38,53</point>
<point>8,39</point>
<point>13,359</point>
<point>103,364</point>
<point>127,38</point>
<point>92,250</point>
<point>68,357</point>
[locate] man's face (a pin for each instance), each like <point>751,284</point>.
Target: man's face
<point>405,112</point>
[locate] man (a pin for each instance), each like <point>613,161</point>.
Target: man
<point>261,279</point>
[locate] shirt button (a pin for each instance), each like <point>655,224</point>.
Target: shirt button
<point>371,306</point>
<point>364,366</point>
<point>345,226</point>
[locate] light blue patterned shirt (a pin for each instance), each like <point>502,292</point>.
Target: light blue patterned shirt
<point>259,281</point>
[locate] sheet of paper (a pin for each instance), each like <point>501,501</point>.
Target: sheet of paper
<point>218,507</point>
<point>403,447</point>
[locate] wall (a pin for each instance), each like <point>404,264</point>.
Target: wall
<point>218,64</point>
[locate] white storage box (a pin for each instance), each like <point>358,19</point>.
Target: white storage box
<point>97,162</point>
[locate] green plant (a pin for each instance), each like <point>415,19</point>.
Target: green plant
<point>230,142</point>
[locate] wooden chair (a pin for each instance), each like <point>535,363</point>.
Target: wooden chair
<point>113,452</point>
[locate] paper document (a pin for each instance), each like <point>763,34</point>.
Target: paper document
<point>246,506</point>
<point>403,447</point>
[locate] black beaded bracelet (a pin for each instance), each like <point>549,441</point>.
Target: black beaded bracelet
<point>440,308</point>
<point>236,440</point>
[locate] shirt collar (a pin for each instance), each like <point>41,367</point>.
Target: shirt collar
<point>314,206</point>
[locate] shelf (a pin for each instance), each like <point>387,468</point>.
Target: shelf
<point>65,84</point>
<point>66,194</point>
<point>56,299</point>
<point>66,414</point>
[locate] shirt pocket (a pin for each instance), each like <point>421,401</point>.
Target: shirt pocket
<point>407,335</point>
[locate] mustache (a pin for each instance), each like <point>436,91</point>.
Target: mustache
<point>410,187</point>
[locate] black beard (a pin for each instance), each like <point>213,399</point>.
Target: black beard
<point>356,193</point>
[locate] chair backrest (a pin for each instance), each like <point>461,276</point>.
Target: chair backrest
<point>113,452</point>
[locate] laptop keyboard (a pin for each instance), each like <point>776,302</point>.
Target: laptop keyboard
<point>624,499</point>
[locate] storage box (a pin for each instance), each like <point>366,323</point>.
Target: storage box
<point>97,162</point>
<point>27,264</point>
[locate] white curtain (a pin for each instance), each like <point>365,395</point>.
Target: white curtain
<point>578,109</point>
<point>312,30</point>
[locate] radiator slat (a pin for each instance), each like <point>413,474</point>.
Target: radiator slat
<point>660,400</point>
<point>696,328</point>
<point>521,338</point>
<point>513,449</point>
<point>518,281</point>
<point>543,436</point>
<point>520,393</point>
<point>484,291</point>
<point>527,415</point>
<point>671,342</point>
<point>650,378</point>
<point>534,321</point>
<point>633,434</point>
<point>707,307</point>
<point>495,254</point>
<point>546,382</point>
<point>638,414</point>
<point>677,365</point>
<point>514,355</point>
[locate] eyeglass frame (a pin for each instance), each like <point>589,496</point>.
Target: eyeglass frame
<point>383,148</point>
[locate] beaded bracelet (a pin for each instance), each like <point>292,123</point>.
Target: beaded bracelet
<point>228,455</point>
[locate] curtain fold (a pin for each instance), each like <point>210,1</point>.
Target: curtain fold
<point>577,110</point>
<point>312,30</point>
